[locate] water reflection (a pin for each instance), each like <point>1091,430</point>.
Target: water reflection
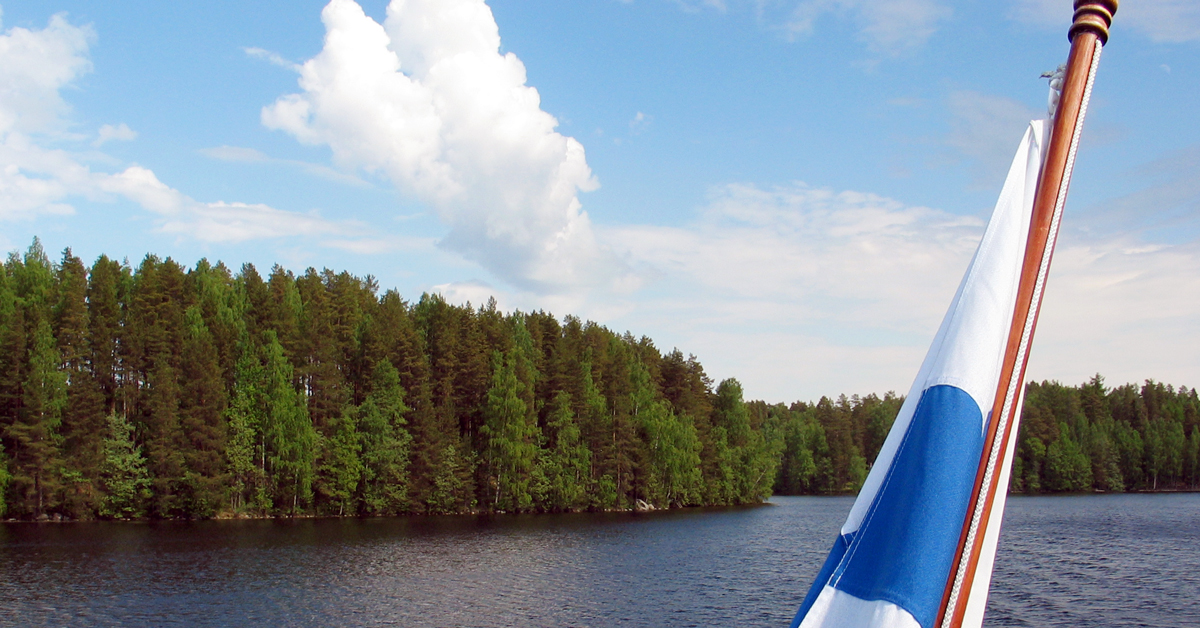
<point>1060,563</point>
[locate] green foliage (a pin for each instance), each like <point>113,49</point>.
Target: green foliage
<point>566,465</point>
<point>289,439</point>
<point>447,482</point>
<point>340,467</point>
<point>1067,467</point>
<point>385,444</point>
<point>245,452</point>
<point>672,476</point>
<point>828,446</point>
<point>5,478</point>
<point>1094,438</point>
<point>123,475</point>
<point>511,437</point>
<point>239,395</point>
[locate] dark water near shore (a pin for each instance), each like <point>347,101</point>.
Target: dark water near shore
<point>1111,560</point>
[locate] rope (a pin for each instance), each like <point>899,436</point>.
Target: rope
<point>1011,394</point>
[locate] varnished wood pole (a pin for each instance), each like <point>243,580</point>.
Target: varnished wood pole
<point>1088,34</point>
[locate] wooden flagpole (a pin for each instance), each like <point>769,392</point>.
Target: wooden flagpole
<point>1088,34</point>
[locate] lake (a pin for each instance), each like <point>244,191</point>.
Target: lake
<point>1097,560</point>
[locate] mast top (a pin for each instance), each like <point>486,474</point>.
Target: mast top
<point>1093,16</point>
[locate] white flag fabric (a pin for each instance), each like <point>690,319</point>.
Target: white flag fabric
<point>890,564</point>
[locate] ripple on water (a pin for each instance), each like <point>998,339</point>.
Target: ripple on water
<point>1115,560</point>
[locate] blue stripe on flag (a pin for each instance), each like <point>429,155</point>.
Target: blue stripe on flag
<point>905,547</point>
<point>831,563</point>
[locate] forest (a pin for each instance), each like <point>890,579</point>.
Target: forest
<point>161,391</point>
<point>166,392</point>
<point>1071,439</point>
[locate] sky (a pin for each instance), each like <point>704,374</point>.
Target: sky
<point>790,190</point>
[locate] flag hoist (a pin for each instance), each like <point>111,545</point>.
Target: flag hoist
<point>917,547</point>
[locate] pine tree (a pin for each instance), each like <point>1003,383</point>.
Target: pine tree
<point>83,415</point>
<point>12,350</point>
<point>201,417</point>
<point>106,283</point>
<point>166,444</point>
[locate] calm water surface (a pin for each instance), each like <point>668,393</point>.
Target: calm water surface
<point>1119,560</point>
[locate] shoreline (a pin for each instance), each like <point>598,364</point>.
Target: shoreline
<point>639,509</point>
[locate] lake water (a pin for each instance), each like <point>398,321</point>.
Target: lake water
<point>1106,560</point>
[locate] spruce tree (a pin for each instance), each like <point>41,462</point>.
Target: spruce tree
<point>385,444</point>
<point>34,436</point>
<point>567,463</point>
<point>124,479</point>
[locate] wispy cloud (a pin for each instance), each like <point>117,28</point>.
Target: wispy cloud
<point>639,123</point>
<point>982,128</point>
<point>241,154</point>
<point>886,27</point>
<point>1122,307</point>
<point>383,245</point>
<point>697,5</point>
<point>239,222</point>
<point>108,133</point>
<point>1164,21</point>
<point>272,58</point>
<point>794,286</point>
<point>891,27</point>
<point>235,153</point>
<point>41,177</point>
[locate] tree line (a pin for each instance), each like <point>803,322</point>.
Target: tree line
<point>1082,438</point>
<point>168,392</point>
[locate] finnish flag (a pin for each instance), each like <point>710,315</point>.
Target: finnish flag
<point>891,562</point>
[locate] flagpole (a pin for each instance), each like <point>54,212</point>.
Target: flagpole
<point>1088,34</point>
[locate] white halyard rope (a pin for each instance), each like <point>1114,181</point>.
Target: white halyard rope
<point>1013,390</point>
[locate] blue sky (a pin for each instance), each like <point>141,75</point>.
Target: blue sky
<point>789,189</point>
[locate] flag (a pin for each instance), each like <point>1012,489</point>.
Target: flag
<point>890,564</point>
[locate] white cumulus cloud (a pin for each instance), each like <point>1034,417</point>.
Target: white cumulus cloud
<point>428,100</point>
<point>34,66</point>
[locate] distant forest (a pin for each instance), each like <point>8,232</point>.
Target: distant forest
<point>1071,439</point>
<point>167,392</point>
